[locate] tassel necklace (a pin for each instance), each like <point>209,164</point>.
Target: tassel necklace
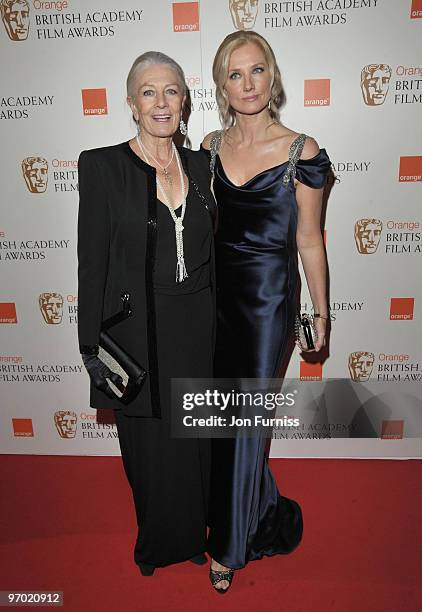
<point>181,272</point>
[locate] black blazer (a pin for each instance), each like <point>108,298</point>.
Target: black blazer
<point>117,228</point>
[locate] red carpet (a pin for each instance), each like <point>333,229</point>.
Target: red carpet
<point>68,524</point>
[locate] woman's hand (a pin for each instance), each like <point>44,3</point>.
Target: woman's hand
<point>321,328</point>
<point>99,372</point>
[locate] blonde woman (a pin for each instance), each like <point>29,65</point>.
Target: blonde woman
<point>268,183</point>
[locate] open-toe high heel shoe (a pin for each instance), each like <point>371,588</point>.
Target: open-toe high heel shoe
<point>217,576</point>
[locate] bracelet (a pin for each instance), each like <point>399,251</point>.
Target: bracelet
<point>320,316</point>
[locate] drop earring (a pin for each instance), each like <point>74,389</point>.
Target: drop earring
<point>183,127</point>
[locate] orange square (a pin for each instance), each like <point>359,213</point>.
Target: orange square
<point>185,16</point>
<point>392,430</point>
<point>94,101</point>
<point>317,92</point>
<point>23,428</point>
<point>416,10</point>
<point>8,312</point>
<point>310,371</point>
<point>410,169</point>
<point>401,309</point>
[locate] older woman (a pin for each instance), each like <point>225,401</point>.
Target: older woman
<point>268,184</point>
<point>145,228</point>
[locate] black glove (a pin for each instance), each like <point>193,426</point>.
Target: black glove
<point>99,372</point>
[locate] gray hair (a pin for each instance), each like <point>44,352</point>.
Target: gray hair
<point>148,59</point>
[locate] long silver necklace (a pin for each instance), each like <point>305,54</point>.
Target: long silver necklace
<point>181,272</point>
<point>166,174</point>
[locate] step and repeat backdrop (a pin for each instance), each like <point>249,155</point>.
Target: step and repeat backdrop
<point>352,74</point>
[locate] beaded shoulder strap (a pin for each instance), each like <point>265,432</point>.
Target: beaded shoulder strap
<point>214,148</point>
<point>295,151</point>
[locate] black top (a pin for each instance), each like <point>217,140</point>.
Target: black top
<point>117,253</point>
<point>197,245</point>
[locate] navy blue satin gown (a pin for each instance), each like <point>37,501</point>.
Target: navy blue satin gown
<point>257,273</point>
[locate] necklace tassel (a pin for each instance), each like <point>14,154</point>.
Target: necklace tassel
<point>181,272</point>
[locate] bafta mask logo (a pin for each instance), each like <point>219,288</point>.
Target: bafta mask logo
<point>360,365</point>
<point>65,422</point>
<point>35,173</point>
<point>367,235</point>
<point>15,17</point>
<point>374,83</point>
<point>243,13</point>
<point>51,306</point>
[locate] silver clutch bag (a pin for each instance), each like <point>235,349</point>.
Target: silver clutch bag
<point>119,360</point>
<point>305,331</point>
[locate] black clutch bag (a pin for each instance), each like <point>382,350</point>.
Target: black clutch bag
<point>118,360</point>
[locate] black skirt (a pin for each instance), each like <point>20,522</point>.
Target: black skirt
<point>169,476</point>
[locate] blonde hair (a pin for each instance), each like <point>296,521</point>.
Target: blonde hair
<point>220,71</point>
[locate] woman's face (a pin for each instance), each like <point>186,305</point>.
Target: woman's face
<point>248,84</point>
<point>158,101</point>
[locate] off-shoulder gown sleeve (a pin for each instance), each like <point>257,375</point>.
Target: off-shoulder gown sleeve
<point>313,172</point>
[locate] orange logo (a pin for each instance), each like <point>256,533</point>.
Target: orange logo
<point>51,307</point>
<point>392,430</point>
<point>15,17</point>
<point>410,169</point>
<point>367,235</point>
<point>317,92</point>
<point>310,371</point>
<point>23,428</point>
<point>401,308</point>
<point>374,83</point>
<point>185,16</point>
<point>65,422</point>
<point>360,365</point>
<point>94,101</point>
<point>243,13</point>
<point>8,312</point>
<point>35,173</point>
<point>416,10</point>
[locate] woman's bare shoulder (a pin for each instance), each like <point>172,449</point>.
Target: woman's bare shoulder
<point>310,147</point>
<point>206,143</point>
